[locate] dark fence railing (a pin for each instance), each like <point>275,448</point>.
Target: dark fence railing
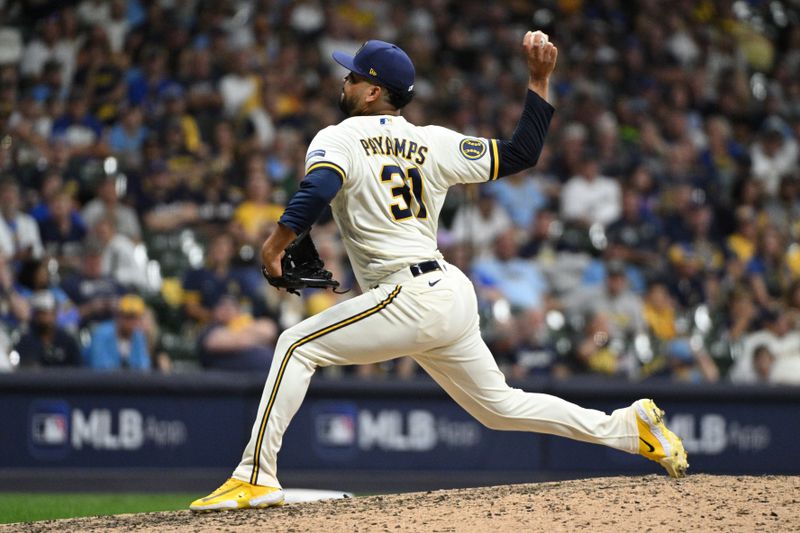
<point>84,424</point>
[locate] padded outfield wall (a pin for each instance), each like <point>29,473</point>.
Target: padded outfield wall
<point>76,429</point>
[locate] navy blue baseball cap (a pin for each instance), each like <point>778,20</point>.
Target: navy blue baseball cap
<point>385,63</point>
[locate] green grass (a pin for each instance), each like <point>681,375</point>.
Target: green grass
<point>27,507</point>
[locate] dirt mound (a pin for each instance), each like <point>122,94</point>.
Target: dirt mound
<point>618,504</point>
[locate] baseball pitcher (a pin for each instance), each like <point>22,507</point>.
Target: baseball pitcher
<point>386,180</point>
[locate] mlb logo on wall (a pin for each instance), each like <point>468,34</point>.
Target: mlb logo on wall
<point>49,429</point>
<point>335,430</point>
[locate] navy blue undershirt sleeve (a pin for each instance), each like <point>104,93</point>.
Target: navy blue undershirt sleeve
<point>523,150</point>
<point>316,191</point>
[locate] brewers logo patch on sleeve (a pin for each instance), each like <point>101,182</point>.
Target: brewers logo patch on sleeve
<point>472,148</point>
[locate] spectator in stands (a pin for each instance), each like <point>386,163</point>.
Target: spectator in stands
<point>19,232</point>
<point>93,12</point>
<point>79,128</point>
<point>568,160</point>
<point>257,215</point>
<point>164,203</point>
<point>224,150</point>
<point>740,316</point>
<point>47,45</point>
<point>742,242</point>
<point>160,358</point>
<point>235,340</point>
<point>184,165</point>
<point>34,279</point>
<point>679,200</point>
<point>687,276</point>
<point>749,192</point>
<point>637,233</point>
<point>145,84</point>
<point>120,343</point>
<point>203,101</point>
<point>174,98</point>
<point>783,212</point>
<point>101,77</point>
<point>689,363</point>
<point>50,184</point>
<point>127,136</point>
<point>722,158</point>
<point>600,349</point>
<point>506,276</point>
<point>763,364</point>
<point>94,293</point>
<point>595,273</point>
<point>51,86</point>
<point>590,198</point>
<point>614,158</point>
<point>14,308</point>
<point>675,354</point>
<point>122,259</point>
<point>8,361</point>
<point>62,163</point>
<point>63,231</point>
<point>107,204</point>
<point>783,343</point>
<point>774,154</point>
<point>773,268</point>
<point>31,128</point>
<point>117,25</point>
<point>793,304</point>
<point>240,89</point>
<point>478,224</point>
<point>45,343</point>
<point>700,240</point>
<point>542,237</point>
<point>204,287</point>
<point>620,308</point>
<point>521,196</point>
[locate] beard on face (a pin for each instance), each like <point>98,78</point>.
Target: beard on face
<point>347,105</point>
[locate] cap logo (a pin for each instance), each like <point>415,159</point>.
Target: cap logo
<point>372,72</point>
<point>472,148</point>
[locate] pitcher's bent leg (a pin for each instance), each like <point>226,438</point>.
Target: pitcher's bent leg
<point>469,374</point>
<point>289,372</point>
<point>366,329</point>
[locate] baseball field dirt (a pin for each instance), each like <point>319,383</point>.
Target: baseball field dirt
<point>615,504</point>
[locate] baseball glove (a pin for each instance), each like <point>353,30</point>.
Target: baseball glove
<point>301,267</point>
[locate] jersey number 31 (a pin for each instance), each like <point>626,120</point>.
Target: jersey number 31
<point>391,174</point>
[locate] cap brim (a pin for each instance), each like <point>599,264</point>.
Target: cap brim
<point>347,61</point>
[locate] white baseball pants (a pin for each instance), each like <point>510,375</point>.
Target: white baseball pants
<point>434,319</point>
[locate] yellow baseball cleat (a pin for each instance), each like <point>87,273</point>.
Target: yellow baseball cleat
<point>656,441</point>
<point>237,494</point>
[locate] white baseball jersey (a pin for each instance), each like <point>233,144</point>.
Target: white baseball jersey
<point>395,178</point>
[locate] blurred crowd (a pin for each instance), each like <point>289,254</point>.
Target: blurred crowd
<point>147,147</point>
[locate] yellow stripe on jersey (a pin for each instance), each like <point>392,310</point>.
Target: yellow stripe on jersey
<point>310,337</point>
<point>327,164</point>
<point>495,159</point>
